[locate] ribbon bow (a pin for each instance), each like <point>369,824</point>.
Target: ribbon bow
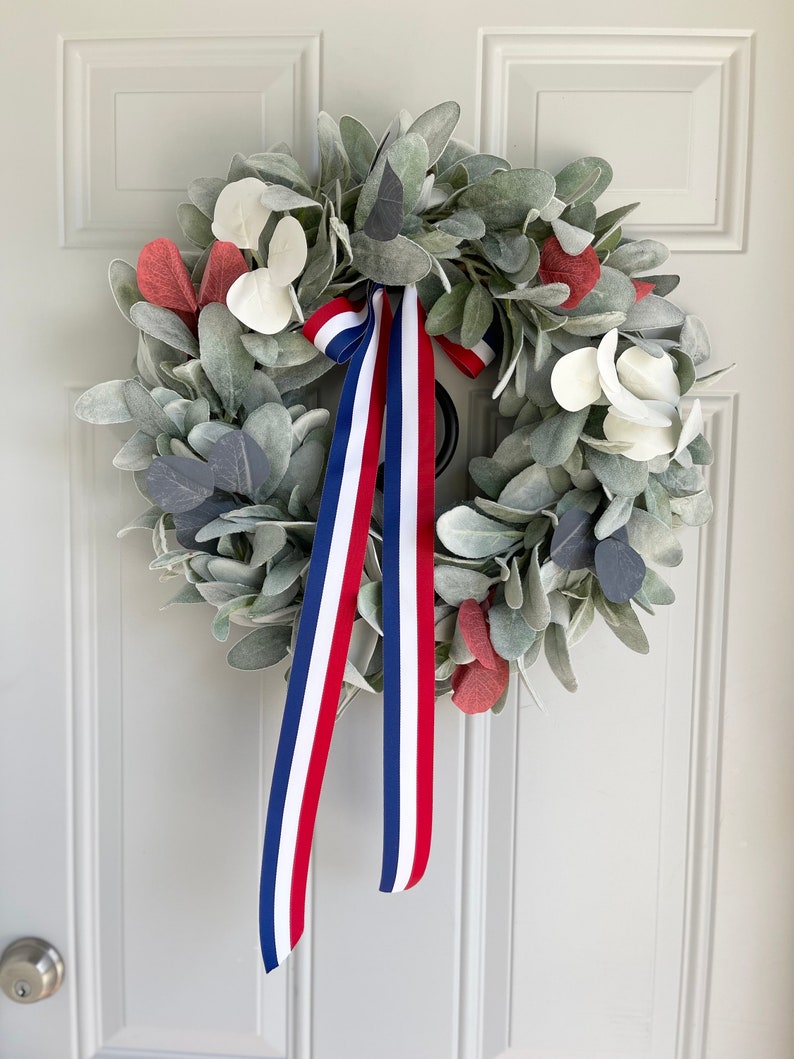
<point>390,370</point>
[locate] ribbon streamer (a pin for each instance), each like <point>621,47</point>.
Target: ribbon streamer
<point>391,369</point>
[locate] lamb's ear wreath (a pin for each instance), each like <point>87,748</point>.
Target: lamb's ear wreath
<point>512,271</point>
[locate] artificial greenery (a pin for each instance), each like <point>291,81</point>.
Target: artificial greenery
<point>574,506</point>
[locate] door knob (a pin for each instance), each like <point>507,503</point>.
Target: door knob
<point>30,970</point>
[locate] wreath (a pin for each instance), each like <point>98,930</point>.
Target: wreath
<point>585,492</point>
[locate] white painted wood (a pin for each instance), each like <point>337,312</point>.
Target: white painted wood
<point>130,825</point>
<point>682,97</point>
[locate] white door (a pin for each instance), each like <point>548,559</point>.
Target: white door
<point>610,878</point>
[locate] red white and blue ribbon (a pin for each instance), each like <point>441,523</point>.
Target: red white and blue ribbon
<point>390,368</point>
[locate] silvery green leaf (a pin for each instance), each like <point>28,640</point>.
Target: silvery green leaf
<point>147,520</point>
<point>467,533</point>
<point>194,375</point>
<point>279,168</point>
<point>264,348</point>
<point>530,490</point>
<point>553,210</point>
<point>396,263</point>
<point>559,657</point>
<point>268,541</point>
<point>463,224</point>
<point>536,531</point>
<point>510,634</point>
<point>222,527</point>
<point>581,620</point>
<point>477,316</point>
<point>220,623</point>
<point>447,313</point>
<point>535,607</point>
<point>187,594</point>
<point>608,222</point>
<point>459,651</point>
<point>597,324</point>
<point>574,183</point>
<point>321,263</point>
<point>685,370</point>
<point>583,215</point>
<point>334,164</point>
<point>572,240</point>
<point>705,381</point>
<point>529,269</point>
<point>694,510</point>
<point>203,193</point>
<point>638,256</point>
<point>652,312</point>
<point>146,412</point>
<point>222,569</point>
<point>515,452</point>
<point>653,539</point>
<point>220,592</point>
<point>279,198</point>
<point>511,515</point>
<point>370,604</point>
<point>615,516</point>
<point>239,464</point>
<point>619,474</point>
<point>682,481</point>
<point>104,404</point>
<point>437,244</point>
<point>267,605</point>
<point>196,226</point>
<point>613,292</point>
<point>657,590</point>
<point>701,452</point>
<point>480,166</point>
<point>302,476</point>
<point>202,436</point>
<point>509,251</point>
<point>514,592</point>
<point>359,143</point>
<point>283,576</point>
<point>546,294</point>
<point>241,168</point>
<point>124,286</point>
<point>314,419</point>
<point>657,501</point>
<point>624,623</point>
<point>489,475</point>
<point>271,428</point>
<point>261,648</point>
<point>454,584</point>
<point>261,390</point>
<point>656,347</point>
<point>228,364</point>
<point>553,440</point>
<point>601,445</point>
<point>694,340</point>
<point>170,559</point>
<point>586,499</point>
<point>560,609</point>
<point>436,127</point>
<point>137,453</point>
<point>164,325</point>
<point>198,412</point>
<point>504,198</point>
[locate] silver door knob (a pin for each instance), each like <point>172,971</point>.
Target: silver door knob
<point>30,970</point>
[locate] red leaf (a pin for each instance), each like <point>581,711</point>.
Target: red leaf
<point>471,622</point>
<point>642,287</point>
<point>581,272</point>
<point>224,265</point>
<point>163,278</point>
<point>476,689</point>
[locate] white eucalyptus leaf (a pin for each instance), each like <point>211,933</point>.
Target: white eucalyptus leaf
<point>240,215</point>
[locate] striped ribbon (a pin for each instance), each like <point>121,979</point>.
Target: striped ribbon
<point>390,369</point>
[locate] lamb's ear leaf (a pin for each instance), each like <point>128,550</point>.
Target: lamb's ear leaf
<point>261,648</point>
